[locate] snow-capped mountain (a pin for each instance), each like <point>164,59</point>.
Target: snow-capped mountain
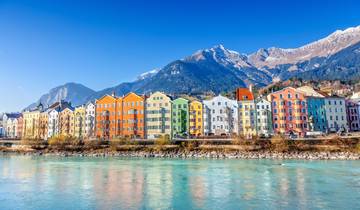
<point>218,69</point>
<point>325,47</point>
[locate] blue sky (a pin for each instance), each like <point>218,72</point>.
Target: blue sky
<point>44,44</point>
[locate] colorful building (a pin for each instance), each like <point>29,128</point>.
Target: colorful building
<point>31,119</point>
<point>90,119</point>
<point>335,108</point>
<point>20,123</point>
<point>133,117</point>
<point>158,115</point>
<point>79,122</point>
<point>317,114</point>
<point>220,116</point>
<point>180,117</point>
<point>109,116</point>
<point>66,121</point>
<point>196,118</point>
<point>289,111</point>
<point>247,112</point>
<point>263,117</point>
<point>43,124</point>
<point>14,126</point>
<point>353,117</point>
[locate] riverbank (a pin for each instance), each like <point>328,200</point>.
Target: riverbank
<point>171,151</point>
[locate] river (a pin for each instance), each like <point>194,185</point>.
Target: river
<point>31,182</point>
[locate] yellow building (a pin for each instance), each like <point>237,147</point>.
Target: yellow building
<point>66,122</point>
<point>31,121</point>
<point>196,119</point>
<point>43,124</point>
<point>247,118</point>
<point>79,122</point>
<point>158,115</point>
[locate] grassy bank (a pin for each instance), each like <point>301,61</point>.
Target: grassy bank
<point>276,144</point>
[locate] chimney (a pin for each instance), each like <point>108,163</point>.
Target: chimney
<point>113,94</point>
<point>251,87</point>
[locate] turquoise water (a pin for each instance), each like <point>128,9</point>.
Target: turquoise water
<point>118,183</point>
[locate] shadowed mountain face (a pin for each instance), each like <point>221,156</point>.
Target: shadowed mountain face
<point>218,69</point>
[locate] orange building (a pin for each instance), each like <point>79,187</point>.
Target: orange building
<point>133,116</point>
<point>108,116</point>
<point>289,111</point>
<point>244,94</point>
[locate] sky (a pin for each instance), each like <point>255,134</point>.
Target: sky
<point>44,44</point>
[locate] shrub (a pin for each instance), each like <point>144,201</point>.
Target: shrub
<point>93,144</point>
<point>63,141</point>
<point>33,143</point>
<point>279,143</point>
<point>163,140</point>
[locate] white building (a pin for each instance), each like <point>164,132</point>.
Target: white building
<point>263,117</point>
<point>335,109</point>
<point>12,128</point>
<point>90,119</point>
<point>53,123</point>
<point>5,119</point>
<point>220,116</point>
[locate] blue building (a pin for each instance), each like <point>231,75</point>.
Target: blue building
<point>317,113</point>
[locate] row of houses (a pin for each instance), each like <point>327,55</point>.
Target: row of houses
<point>287,111</point>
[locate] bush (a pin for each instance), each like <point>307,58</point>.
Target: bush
<point>93,144</point>
<point>279,143</point>
<point>62,141</point>
<point>163,140</point>
<point>34,143</point>
<point>119,141</point>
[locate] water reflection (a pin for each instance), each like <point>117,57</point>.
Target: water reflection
<point>81,183</point>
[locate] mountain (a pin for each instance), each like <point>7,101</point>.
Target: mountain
<point>77,94</point>
<point>218,69</point>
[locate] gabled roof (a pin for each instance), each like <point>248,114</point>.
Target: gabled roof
<point>244,94</point>
<point>309,91</point>
<point>106,95</point>
<point>12,115</point>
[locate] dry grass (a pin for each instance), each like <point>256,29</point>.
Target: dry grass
<point>34,143</point>
<point>279,143</point>
<point>64,142</point>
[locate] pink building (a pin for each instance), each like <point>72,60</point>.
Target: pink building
<point>289,111</point>
<point>352,114</point>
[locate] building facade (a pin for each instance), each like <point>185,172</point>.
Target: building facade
<point>108,117</point>
<point>317,114</point>
<point>353,117</point>
<point>133,116</point>
<point>335,108</point>
<point>289,111</point>
<point>90,119</point>
<point>247,112</point>
<point>158,115</point>
<point>180,117</point>
<point>66,121</point>
<point>264,124</point>
<point>79,122</point>
<point>31,124</point>
<point>43,127</point>
<point>196,127</point>
<point>220,116</point>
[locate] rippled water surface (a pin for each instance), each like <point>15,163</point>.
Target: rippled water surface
<point>119,183</point>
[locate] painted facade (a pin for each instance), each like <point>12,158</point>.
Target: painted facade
<point>196,127</point>
<point>335,108</point>
<point>79,122</point>
<point>158,115</point>
<point>108,117</point>
<point>220,116</point>
<point>133,116</point>
<point>43,126</point>
<point>289,111</point>
<point>90,119</point>
<point>317,114</point>
<point>263,117</point>
<point>12,128</point>
<point>31,124</point>
<point>66,121</point>
<point>180,117</point>
<point>247,112</point>
<point>53,123</point>
<point>353,117</point>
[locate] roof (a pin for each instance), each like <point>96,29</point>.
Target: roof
<point>13,115</point>
<point>309,91</point>
<point>244,94</point>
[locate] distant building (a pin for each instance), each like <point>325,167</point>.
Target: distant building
<point>158,115</point>
<point>54,123</point>
<point>220,116</point>
<point>66,121</point>
<point>353,116</point>
<point>31,119</point>
<point>6,128</point>
<point>79,121</point>
<point>247,112</point>
<point>264,124</point>
<point>90,119</point>
<point>289,111</point>
<point>335,109</point>
<point>180,117</point>
<point>14,126</point>
<point>196,118</point>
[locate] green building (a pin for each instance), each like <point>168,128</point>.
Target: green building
<point>180,117</point>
